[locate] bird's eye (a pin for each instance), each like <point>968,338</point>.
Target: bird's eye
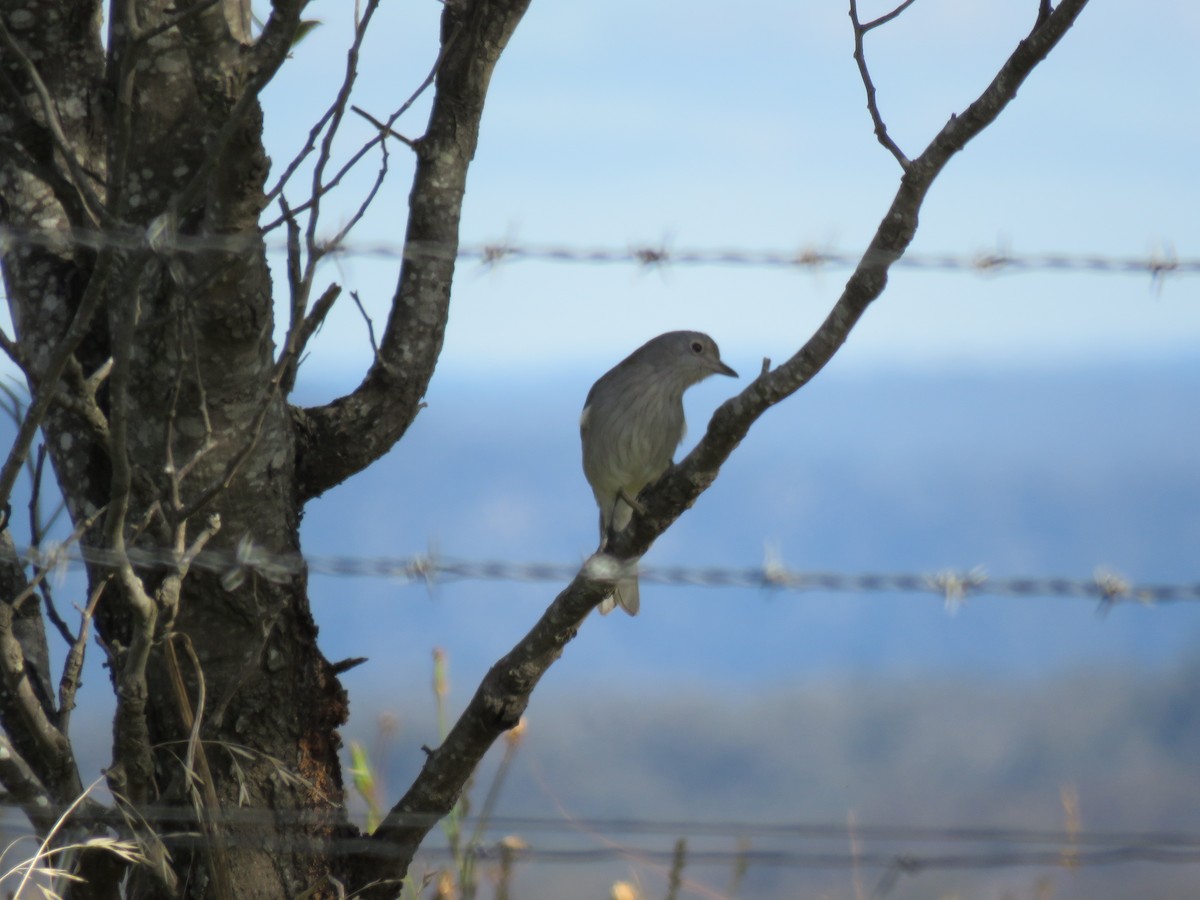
<point>697,347</point>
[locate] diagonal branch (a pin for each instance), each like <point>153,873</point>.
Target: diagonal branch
<point>339,439</point>
<point>22,783</point>
<point>505,690</point>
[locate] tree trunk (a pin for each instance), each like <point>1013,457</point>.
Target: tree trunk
<point>132,176</point>
<point>167,135</point>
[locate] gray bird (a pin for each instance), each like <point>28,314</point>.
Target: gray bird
<point>631,424</point>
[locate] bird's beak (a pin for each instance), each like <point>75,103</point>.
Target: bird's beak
<point>723,369</point>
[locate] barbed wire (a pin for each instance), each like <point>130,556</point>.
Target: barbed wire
<point>890,851</point>
<point>574,828</point>
<point>649,255</point>
<point>954,587</point>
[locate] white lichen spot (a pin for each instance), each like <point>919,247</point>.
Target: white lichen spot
<point>71,108</point>
<point>179,171</point>
<point>43,800</point>
<point>20,19</point>
<point>3,752</point>
<point>66,441</point>
<point>169,65</point>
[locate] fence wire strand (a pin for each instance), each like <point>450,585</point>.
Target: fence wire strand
<point>889,851</point>
<point>954,587</point>
<point>1157,265</point>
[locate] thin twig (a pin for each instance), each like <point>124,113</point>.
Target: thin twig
<point>312,322</point>
<point>37,535</point>
<point>860,58</point>
<point>344,231</point>
<point>13,351</point>
<point>329,185</point>
<point>326,151</point>
<point>334,114</point>
<point>68,684</point>
<point>429,78</point>
<point>887,17</point>
<point>370,324</point>
<point>41,572</point>
<point>384,128</point>
<point>206,802</point>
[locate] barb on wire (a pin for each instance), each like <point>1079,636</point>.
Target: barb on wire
<point>1105,586</point>
<point>1158,265</point>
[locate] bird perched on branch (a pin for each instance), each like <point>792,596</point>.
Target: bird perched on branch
<point>631,424</point>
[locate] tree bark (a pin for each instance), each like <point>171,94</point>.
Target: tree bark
<point>132,178</point>
<point>167,129</point>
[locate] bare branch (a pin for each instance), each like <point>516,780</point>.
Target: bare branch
<point>860,57</point>
<point>312,322</point>
<point>26,788</point>
<point>329,186</point>
<point>42,571</point>
<point>339,439</point>
<point>504,692</point>
<point>52,747</point>
<point>12,351</point>
<point>370,324</point>
<point>68,684</point>
<point>385,129</point>
<point>357,215</point>
<point>326,151</point>
<point>884,19</point>
<point>208,805</point>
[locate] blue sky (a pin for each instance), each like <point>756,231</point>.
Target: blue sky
<point>703,125</point>
<point>622,124</point>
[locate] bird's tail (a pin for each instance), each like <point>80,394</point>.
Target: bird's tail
<point>627,595</point>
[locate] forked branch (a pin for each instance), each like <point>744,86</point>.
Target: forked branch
<point>860,57</point>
